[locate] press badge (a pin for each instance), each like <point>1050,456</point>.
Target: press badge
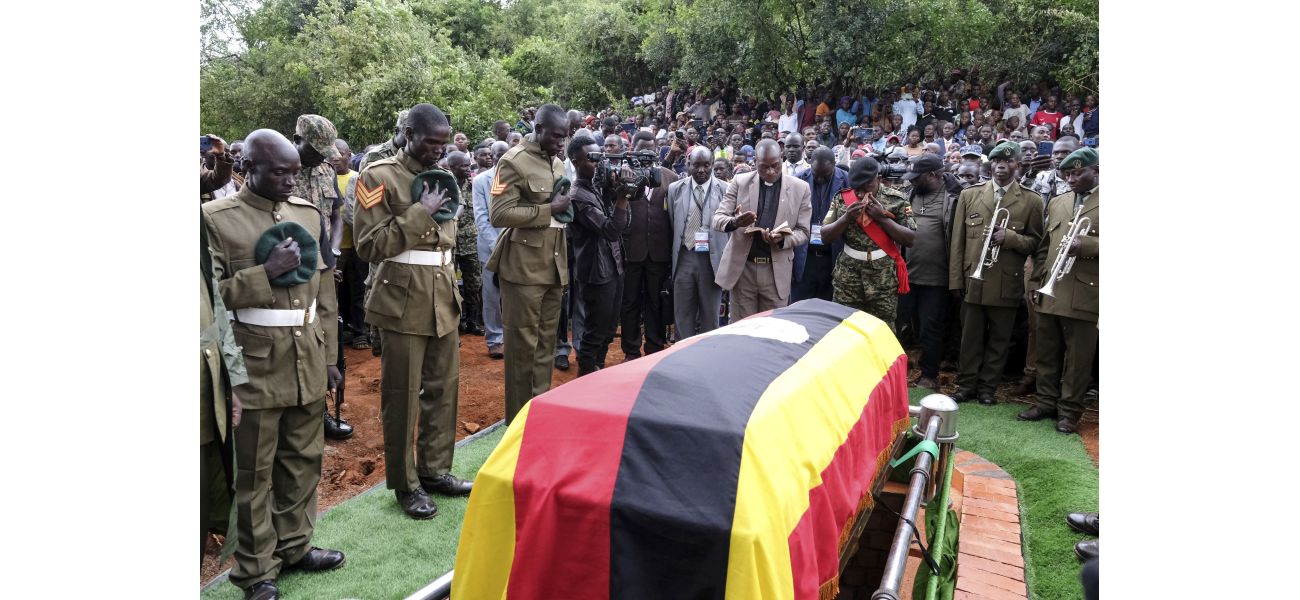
<point>701,241</point>
<point>816,235</point>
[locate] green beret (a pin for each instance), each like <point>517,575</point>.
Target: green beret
<point>1083,157</point>
<point>562,187</point>
<point>308,252</point>
<point>1005,151</point>
<point>444,179</point>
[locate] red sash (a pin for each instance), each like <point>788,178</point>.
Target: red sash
<point>882,239</point>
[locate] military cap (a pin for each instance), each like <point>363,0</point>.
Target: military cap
<point>562,187</point>
<point>1083,157</point>
<point>445,180</point>
<point>319,133</point>
<point>921,164</point>
<point>1005,151</point>
<point>972,150</point>
<point>402,117</point>
<point>862,171</point>
<point>308,252</point>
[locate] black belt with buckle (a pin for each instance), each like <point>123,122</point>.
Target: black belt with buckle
<point>761,260</point>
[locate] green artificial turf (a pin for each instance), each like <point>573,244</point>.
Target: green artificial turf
<point>1054,476</point>
<point>388,554</point>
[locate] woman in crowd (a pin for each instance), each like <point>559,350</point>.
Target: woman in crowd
<point>915,144</point>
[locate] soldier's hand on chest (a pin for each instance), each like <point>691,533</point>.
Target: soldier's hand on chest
<point>284,258</point>
<point>560,203</point>
<point>433,198</point>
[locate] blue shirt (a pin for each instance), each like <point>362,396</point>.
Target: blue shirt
<point>844,116</point>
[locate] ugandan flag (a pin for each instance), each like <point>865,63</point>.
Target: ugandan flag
<point>732,465</point>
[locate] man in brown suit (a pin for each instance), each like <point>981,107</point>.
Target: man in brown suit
<point>1067,320</point>
<point>757,265</point>
<point>648,251</point>
<point>989,310</point>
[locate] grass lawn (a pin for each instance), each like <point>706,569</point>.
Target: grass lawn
<point>388,554</point>
<point>1054,476</point>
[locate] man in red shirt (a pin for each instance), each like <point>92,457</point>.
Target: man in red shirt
<point>1048,114</point>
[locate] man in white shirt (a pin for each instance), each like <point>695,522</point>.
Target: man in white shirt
<point>908,109</point>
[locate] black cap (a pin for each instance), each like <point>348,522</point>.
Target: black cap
<point>921,164</point>
<point>863,171</point>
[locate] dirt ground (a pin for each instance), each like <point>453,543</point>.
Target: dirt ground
<point>355,465</point>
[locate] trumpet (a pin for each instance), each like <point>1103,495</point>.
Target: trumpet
<point>1063,263</point>
<point>989,256</point>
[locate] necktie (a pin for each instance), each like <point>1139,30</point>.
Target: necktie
<point>998,194</point>
<point>693,217</point>
<point>1079,199</point>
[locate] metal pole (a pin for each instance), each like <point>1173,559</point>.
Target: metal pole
<point>438,589</point>
<point>897,561</point>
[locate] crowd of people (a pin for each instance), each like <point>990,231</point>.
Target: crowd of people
<point>938,208</point>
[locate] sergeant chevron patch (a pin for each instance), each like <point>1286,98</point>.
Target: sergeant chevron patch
<point>367,196</point>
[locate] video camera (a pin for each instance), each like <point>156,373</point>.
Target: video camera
<point>644,166</point>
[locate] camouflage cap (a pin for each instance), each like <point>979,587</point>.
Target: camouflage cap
<point>319,133</point>
<point>1005,151</point>
<point>1083,157</point>
<point>401,118</point>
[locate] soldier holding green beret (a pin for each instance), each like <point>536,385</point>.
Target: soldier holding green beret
<point>404,222</point>
<point>283,311</point>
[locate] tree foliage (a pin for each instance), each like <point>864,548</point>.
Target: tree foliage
<point>361,61</point>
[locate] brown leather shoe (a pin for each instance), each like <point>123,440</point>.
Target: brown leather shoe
<point>496,352</point>
<point>1067,425</point>
<point>1036,413</point>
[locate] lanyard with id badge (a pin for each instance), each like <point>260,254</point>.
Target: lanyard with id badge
<point>702,234</point>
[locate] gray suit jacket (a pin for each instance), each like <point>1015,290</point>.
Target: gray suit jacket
<point>681,196</point>
<point>794,207</point>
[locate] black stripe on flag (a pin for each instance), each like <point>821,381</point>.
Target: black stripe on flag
<point>675,495</point>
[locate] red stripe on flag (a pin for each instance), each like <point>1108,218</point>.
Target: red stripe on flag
<point>546,565</point>
<point>845,482</point>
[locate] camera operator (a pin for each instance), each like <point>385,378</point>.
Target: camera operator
<point>647,253</point>
<point>601,218</point>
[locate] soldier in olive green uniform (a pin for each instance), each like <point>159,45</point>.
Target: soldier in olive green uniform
<point>221,367</point>
<point>284,316</point>
<point>1067,320</point>
<point>417,309</point>
<point>531,259</point>
<point>471,272</point>
<point>989,310</point>
<point>385,150</point>
<point>865,276</point>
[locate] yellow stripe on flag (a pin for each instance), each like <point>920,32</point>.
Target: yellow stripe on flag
<point>487,535</point>
<point>788,445</point>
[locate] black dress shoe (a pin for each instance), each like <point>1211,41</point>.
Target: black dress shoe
<point>1067,425</point>
<point>447,485</point>
<point>987,399</point>
<point>319,559</point>
<point>262,590</point>
<point>1085,523</point>
<point>1086,550</point>
<point>562,362</point>
<point>964,396</point>
<point>336,429</point>
<point>417,504</point>
<point>474,329</point>
<point>1035,413</point>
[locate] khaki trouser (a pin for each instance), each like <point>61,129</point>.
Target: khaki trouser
<point>985,344</point>
<point>418,397</point>
<point>754,292</point>
<point>278,454</point>
<point>1030,353</point>
<point>530,315</point>
<point>1066,350</point>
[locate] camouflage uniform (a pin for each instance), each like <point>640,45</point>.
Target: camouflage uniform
<point>467,258</point>
<point>869,286</point>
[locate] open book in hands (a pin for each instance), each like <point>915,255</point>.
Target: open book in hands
<point>784,228</point>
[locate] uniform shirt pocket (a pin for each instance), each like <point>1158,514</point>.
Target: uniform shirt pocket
<point>389,297</point>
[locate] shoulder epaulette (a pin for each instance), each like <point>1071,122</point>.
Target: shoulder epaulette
<point>220,204</point>
<point>300,202</point>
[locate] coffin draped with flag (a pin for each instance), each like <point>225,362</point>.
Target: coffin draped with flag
<point>732,465</point>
